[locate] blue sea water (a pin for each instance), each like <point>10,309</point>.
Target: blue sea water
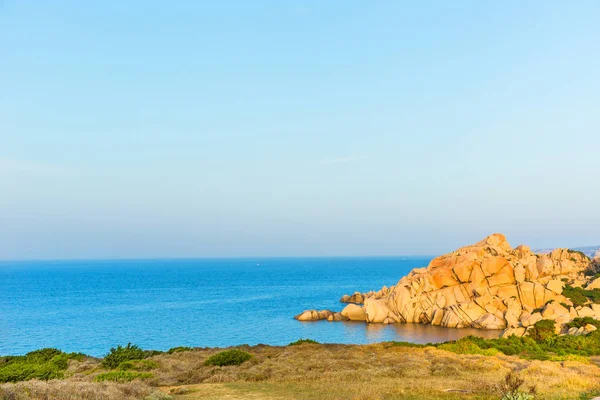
<point>90,306</point>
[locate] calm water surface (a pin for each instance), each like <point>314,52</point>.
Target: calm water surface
<point>90,306</point>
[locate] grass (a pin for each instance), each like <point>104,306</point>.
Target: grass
<point>71,390</point>
<point>141,365</point>
<point>303,341</point>
<point>377,371</point>
<point>122,376</point>
<point>470,368</point>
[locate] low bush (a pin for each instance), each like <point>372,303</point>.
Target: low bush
<point>591,272</point>
<point>579,322</point>
<point>522,346</point>
<point>511,388</point>
<point>228,357</point>
<point>580,253</point>
<point>467,346</point>
<point>543,330</point>
<point>549,346</point>
<point>580,296</point>
<point>409,344</point>
<point>151,353</point>
<point>120,354</point>
<point>179,349</point>
<point>43,364</point>
<point>143,365</point>
<point>122,376</point>
<point>303,341</point>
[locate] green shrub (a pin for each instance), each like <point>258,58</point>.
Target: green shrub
<point>580,296</point>
<point>43,364</point>
<point>591,272</point>
<point>228,357</point>
<point>581,253</point>
<point>590,395</point>
<point>408,344</point>
<point>143,365</point>
<point>513,345</point>
<point>120,354</point>
<point>122,376</point>
<point>179,349</point>
<point>549,346</point>
<point>303,341</point>
<point>126,366</point>
<point>42,355</point>
<point>467,346</point>
<point>511,388</point>
<point>543,330</point>
<point>579,322</point>
<point>588,345</point>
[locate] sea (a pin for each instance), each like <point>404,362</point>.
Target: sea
<point>91,306</point>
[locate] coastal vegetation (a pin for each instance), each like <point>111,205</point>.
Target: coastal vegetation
<point>122,376</point>
<point>179,349</point>
<point>43,364</point>
<point>541,343</point>
<point>559,366</point>
<point>120,354</point>
<point>580,296</point>
<point>303,341</point>
<point>228,357</point>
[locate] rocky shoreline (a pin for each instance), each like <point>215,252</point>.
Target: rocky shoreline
<point>488,285</point>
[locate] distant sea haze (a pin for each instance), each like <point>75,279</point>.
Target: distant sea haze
<point>90,306</point>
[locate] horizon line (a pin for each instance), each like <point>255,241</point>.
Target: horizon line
<point>182,258</point>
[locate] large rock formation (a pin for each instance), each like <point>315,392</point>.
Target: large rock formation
<point>488,285</point>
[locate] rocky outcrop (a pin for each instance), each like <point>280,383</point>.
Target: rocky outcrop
<point>595,268</point>
<point>594,284</point>
<point>488,285</point>
<point>314,315</point>
<point>359,298</point>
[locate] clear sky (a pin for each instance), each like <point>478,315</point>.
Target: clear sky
<point>288,128</point>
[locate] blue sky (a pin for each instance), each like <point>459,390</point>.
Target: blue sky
<point>284,128</point>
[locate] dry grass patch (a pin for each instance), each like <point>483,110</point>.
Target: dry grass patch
<point>325,372</point>
<point>70,390</point>
<point>378,371</point>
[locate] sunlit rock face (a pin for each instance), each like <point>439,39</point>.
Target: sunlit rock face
<point>487,285</point>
